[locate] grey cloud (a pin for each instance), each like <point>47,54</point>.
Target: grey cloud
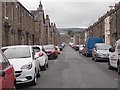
<point>73,14</point>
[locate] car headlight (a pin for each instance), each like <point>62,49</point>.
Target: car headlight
<point>27,66</point>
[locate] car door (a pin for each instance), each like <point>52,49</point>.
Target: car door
<point>8,79</point>
<point>36,61</point>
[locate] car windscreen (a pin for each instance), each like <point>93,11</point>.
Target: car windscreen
<point>103,47</point>
<point>49,47</point>
<point>36,49</point>
<point>17,52</point>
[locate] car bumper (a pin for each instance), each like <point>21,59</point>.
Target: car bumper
<point>52,56</point>
<point>103,58</point>
<point>25,76</point>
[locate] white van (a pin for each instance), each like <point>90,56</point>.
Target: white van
<point>114,57</point>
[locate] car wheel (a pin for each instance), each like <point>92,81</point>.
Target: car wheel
<point>56,57</point>
<point>44,67</point>
<point>47,65</point>
<point>109,65</point>
<point>38,74</point>
<point>15,86</point>
<point>118,68</point>
<point>34,82</point>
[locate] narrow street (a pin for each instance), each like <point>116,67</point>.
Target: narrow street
<point>72,70</point>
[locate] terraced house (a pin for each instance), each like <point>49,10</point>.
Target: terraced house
<point>107,26</point>
<point>21,26</point>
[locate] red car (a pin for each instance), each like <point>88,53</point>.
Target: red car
<point>51,51</point>
<point>7,77</point>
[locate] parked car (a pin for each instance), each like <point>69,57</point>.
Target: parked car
<point>101,52</point>
<point>76,47</point>
<point>23,60</point>
<point>41,56</point>
<point>58,49</point>
<point>70,44</point>
<point>61,47</point>
<point>81,47</point>
<point>83,51</point>
<point>114,57</point>
<point>7,77</point>
<point>63,44</point>
<point>51,51</point>
<point>90,43</point>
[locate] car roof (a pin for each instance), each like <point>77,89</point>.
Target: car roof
<point>16,46</point>
<point>38,46</point>
<point>101,44</point>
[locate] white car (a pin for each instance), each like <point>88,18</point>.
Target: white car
<point>41,56</point>
<point>22,58</point>
<point>81,47</point>
<point>114,58</point>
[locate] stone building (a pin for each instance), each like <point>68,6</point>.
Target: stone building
<point>17,24</point>
<point>47,30</point>
<point>20,26</point>
<point>39,21</point>
<point>76,39</point>
<point>107,27</point>
<point>0,24</point>
<point>82,37</point>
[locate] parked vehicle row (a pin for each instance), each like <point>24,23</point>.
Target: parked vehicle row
<point>24,63</point>
<point>99,51</point>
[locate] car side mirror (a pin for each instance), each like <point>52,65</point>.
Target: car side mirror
<point>112,49</point>
<point>2,73</point>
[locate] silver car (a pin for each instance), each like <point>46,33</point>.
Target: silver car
<point>101,52</point>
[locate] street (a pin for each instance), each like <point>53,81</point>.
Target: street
<point>73,70</point>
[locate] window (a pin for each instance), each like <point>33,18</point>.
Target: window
<point>3,62</point>
<point>118,46</point>
<point>36,49</point>
<point>17,52</point>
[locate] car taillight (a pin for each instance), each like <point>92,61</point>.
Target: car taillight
<point>41,54</point>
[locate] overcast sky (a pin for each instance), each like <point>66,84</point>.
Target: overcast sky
<point>72,13</point>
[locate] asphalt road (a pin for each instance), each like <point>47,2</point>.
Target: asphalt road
<point>72,70</point>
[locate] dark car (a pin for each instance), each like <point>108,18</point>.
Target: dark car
<point>51,51</point>
<point>61,47</point>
